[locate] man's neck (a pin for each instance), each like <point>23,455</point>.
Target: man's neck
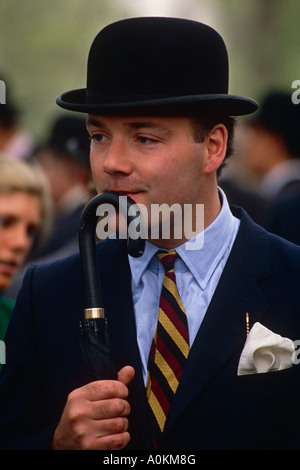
<point>197,220</point>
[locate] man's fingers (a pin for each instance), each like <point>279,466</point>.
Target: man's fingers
<point>111,408</point>
<point>126,375</point>
<point>112,426</point>
<point>112,442</point>
<point>104,389</point>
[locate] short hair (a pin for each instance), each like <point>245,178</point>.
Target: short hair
<point>203,124</point>
<point>25,177</point>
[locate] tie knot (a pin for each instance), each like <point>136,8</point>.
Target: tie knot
<point>167,259</point>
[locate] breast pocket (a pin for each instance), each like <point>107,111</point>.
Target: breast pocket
<point>283,381</point>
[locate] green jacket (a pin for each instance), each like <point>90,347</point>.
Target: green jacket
<point>6,306</point>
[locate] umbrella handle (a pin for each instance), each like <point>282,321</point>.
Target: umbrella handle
<point>87,249</point>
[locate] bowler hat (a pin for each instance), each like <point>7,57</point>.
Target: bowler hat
<point>156,64</point>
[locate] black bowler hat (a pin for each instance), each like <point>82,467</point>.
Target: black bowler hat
<point>156,65</point>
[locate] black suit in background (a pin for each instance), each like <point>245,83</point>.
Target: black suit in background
<point>284,217</point>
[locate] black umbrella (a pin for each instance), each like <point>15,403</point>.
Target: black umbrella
<point>94,337</point>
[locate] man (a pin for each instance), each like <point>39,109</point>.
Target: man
<point>271,150</point>
<point>64,158</point>
<point>159,118</point>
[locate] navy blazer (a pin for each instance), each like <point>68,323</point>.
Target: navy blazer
<point>213,407</point>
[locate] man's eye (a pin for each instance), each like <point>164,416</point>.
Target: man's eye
<point>32,230</point>
<point>145,140</point>
<point>6,222</point>
<point>97,138</point>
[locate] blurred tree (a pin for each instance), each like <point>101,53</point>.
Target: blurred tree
<point>263,41</point>
<point>43,50</point>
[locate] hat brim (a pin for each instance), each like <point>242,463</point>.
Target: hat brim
<point>231,105</point>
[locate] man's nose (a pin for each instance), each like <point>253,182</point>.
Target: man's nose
<point>118,159</point>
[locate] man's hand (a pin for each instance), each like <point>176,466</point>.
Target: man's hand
<point>95,416</point>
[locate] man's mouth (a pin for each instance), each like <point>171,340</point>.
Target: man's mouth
<point>125,192</point>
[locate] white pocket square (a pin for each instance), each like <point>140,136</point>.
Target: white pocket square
<point>265,351</point>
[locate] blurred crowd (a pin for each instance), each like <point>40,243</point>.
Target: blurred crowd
<point>44,186</point>
<point>269,158</point>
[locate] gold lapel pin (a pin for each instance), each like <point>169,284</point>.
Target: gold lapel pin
<point>247,323</point>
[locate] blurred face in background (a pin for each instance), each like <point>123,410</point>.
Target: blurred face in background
<point>262,150</point>
<point>20,218</point>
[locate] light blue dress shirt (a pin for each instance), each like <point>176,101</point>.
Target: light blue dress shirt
<point>197,275</point>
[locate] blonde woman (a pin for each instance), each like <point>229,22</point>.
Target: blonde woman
<point>23,211</point>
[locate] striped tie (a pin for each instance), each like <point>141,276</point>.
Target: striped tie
<point>169,349</point>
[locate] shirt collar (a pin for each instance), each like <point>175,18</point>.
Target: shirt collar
<point>202,262</point>
<point>282,174</point>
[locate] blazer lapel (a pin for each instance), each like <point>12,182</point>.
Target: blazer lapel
<point>223,329</point>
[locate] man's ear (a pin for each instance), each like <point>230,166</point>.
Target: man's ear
<point>216,144</point>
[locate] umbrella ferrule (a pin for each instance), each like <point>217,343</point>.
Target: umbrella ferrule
<point>93,313</point>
